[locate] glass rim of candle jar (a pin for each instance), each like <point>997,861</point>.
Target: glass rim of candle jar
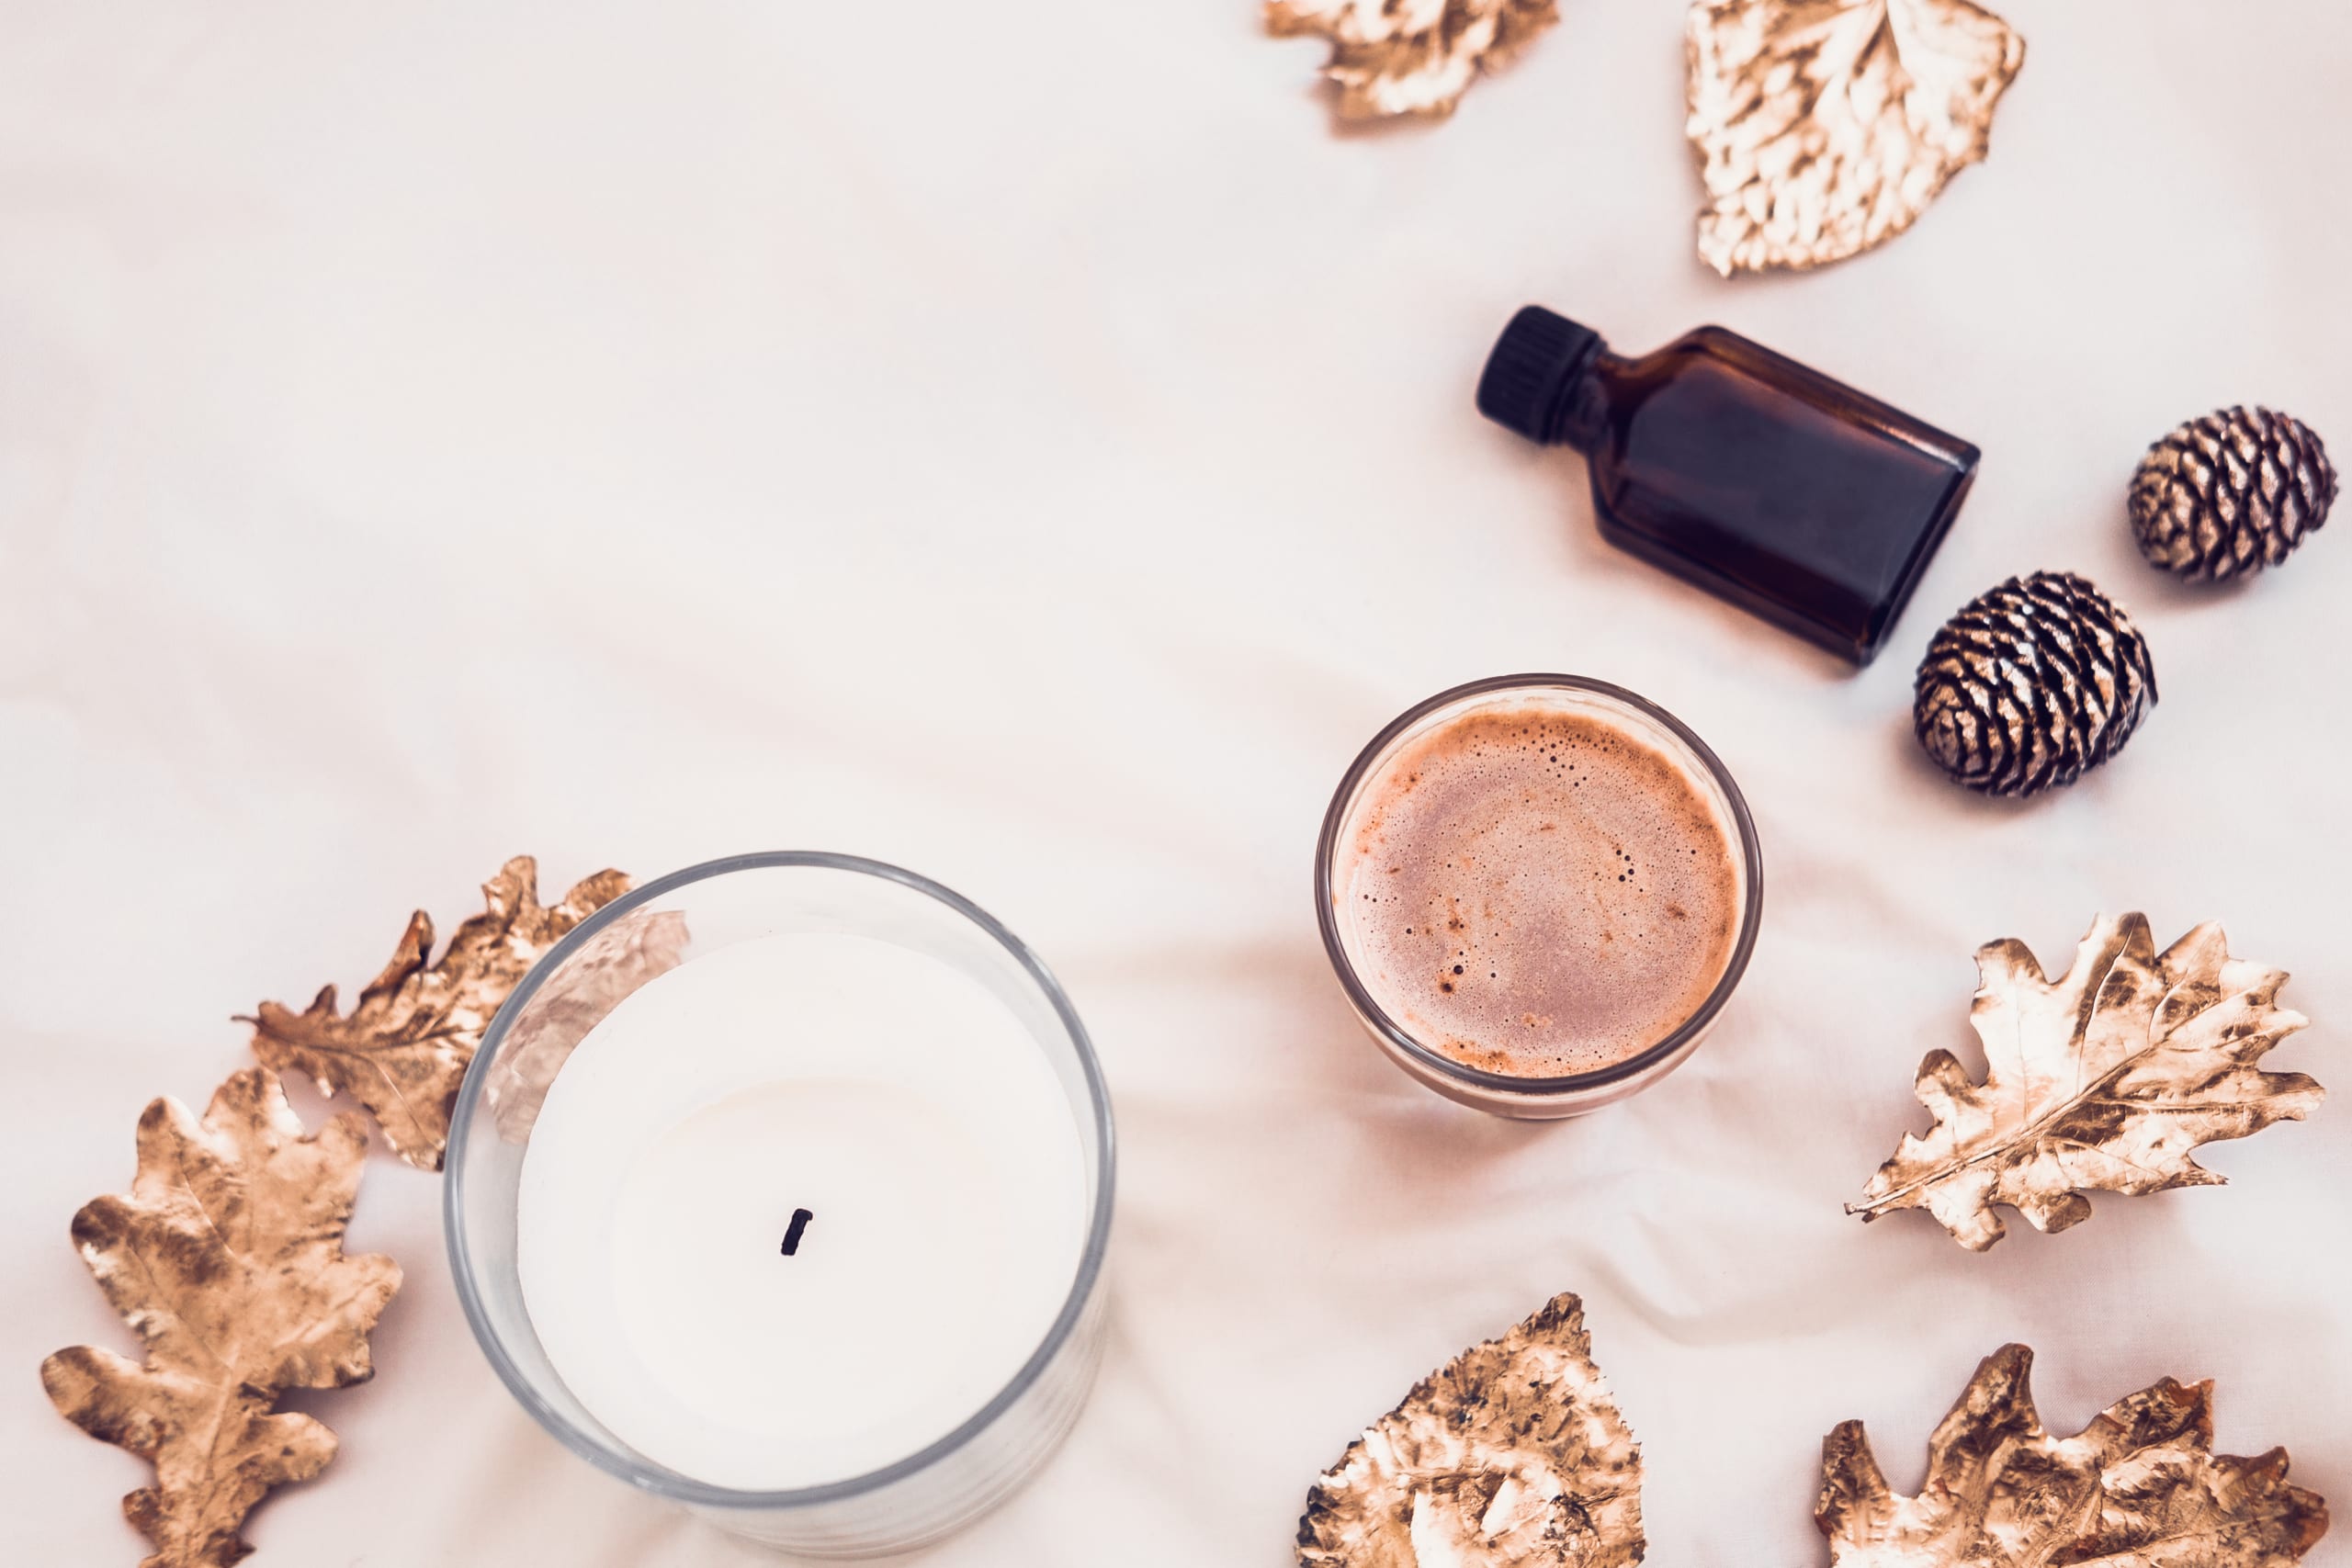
<point>470,1112</point>
<point>1508,1094</point>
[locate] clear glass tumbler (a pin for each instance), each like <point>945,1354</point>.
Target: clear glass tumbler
<point>685,916</point>
<point>1504,1094</point>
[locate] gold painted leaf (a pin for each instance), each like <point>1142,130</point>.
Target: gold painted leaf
<point>226,1257</point>
<point>402,1050</point>
<point>2104,1080</point>
<point>2139,1486</point>
<point>1410,57</point>
<point>1513,1455</point>
<point>1825,127</point>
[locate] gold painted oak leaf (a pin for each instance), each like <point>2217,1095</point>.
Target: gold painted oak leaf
<point>226,1257</point>
<point>2141,1486</point>
<point>1513,1455</point>
<point>2105,1079</point>
<point>403,1048</point>
<point>1825,127</point>
<point>1410,57</point>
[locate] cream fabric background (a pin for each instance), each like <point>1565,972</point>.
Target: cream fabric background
<point>1029,446</point>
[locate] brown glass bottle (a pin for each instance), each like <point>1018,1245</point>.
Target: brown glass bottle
<point>1789,494</point>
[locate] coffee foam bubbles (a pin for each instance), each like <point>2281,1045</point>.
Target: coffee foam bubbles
<point>1537,892</point>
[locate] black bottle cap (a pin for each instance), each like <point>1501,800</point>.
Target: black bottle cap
<point>1534,367</point>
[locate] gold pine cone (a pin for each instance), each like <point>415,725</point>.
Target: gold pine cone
<point>2228,494</point>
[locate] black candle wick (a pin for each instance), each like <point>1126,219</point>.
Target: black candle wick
<point>800,1218</point>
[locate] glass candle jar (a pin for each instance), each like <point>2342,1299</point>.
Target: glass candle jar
<point>1538,892</point>
<point>780,1189</point>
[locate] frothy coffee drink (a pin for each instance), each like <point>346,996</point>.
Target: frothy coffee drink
<point>1537,892</point>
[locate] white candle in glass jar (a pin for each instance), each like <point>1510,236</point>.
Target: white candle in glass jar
<point>797,1209</point>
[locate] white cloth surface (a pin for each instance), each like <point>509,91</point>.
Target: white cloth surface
<point>1033,447</point>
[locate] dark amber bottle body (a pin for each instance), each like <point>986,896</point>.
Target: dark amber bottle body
<point>1773,486</point>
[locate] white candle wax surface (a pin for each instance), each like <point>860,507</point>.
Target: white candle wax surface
<point>886,1092</point>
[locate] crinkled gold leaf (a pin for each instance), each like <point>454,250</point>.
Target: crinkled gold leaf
<point>403,1048</point>
<point>1513,1455</point>
<point>1410,57</point>
<point>1825,127</point>
<point>607,968</point>
<point>2141,1486</point>
<point>226,1257</point>
<point>2104,1080</point>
